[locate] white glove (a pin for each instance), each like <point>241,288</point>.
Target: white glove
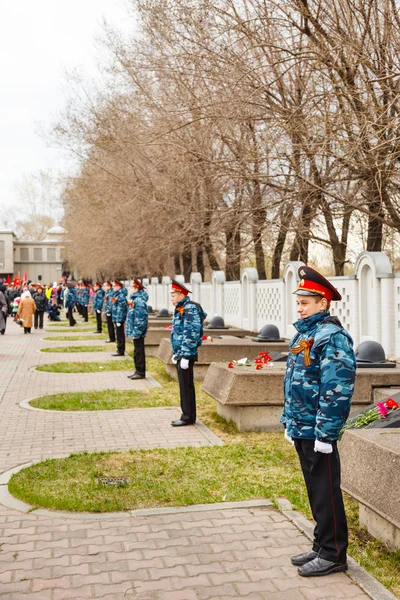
<point>184,363</point>
<point>288,438</point>
<point>136,338</point>
<point>174,359</point>
<point>98,311</point>
<point>108,314</point>
<point>323,447</point>
<point>118,324</point>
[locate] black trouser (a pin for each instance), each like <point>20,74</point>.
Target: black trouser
<point>70,316</point>
<point>39,319</point>
<point>111,328</point>
<point>78,307</point>
<point>98,321</point>
<point>85,313</point>
<point>120,331</point>
<point>2,331</point>
<point>139,357</point>
<point>187,392</point>
<point>322,477</point>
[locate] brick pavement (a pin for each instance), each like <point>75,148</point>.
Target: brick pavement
<point>217,552</point>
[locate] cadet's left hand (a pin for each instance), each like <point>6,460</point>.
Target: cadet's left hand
<point>136,338</point>
<point>184,363</point>
<point>118,324</point>
<point>323,447</point>
<point>288,438</point>
<point>98,311</point>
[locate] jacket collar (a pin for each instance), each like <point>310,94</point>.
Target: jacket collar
<point>182,302</point>
<point>309,323</point>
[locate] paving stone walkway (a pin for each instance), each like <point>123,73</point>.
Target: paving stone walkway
<point>219,552</point>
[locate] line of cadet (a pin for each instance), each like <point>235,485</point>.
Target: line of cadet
<point>186,333</point>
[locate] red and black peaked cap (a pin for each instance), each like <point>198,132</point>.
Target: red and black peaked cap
<point>179,287</point>
<point>138,284</point>
<point>313,283</point>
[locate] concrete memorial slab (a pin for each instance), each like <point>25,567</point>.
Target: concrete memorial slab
<point>156,334</point>
<point>222,349</point>
<point>254,399</point>
<point>370,461</point>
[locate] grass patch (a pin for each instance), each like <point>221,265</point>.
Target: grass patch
<point>76,338</point>
<point>76,328</point>
<point>87,367</point>
<point>106,400</point>
<point>79,349</point>
<point>250,465</point>
<point>167,395</point>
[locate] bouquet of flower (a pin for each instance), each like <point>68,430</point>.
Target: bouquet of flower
<point>366,417</point>
<point>260,361</point>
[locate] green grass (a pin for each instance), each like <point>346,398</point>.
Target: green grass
<point>76,338</point>
<point>80,349</point>
<point>118,364</point>
<point>75,329</point>
<point>250,465</point>
<point>105,400</point>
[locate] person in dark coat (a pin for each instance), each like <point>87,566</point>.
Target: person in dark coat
<point>4,291</point>
<point>3,312</point>
<point>41,305</point>
<point>107,307</point>
<point>53,310</point>
<point>318,388</point>
<point>186,337</point>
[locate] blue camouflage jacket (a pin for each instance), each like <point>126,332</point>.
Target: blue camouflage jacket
<point>107,306</point>
<point>187,328</point>
<point>138,317</point>
<point>84,297</point>
<point>119,306</point>
<point>98,300</point>
<point>318,397</point>
<point>71,298</point>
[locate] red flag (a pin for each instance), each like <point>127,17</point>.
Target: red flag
<point>9,279</point>
<point>25,276</point>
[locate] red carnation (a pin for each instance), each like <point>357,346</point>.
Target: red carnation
<point>390,403</point>
<point>230,365</point>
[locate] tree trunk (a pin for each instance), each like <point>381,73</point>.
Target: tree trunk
<point>200,260</point>
<point>187,263</point>
<point>233,245</point>
<point>258,221</point>
<point>375,216</point>
<point>177,264</point>
<point>280,242</point>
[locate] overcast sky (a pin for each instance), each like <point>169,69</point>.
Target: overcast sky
<point>39,41</point>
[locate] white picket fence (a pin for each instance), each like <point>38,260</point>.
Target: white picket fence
<point>369,309</point>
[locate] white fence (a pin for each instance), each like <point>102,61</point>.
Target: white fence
<point>369,309</point>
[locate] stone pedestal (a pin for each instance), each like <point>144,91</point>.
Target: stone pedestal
<point>254,399</point>
<point>224,350</point>
<point>370,461</point>
<point>156,334</point>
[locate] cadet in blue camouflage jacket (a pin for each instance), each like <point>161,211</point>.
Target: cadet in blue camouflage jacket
<point>119,312</point>
<point>98,301</point>
<point>186,336</point>
<point>84,302</point>
<point>136,327</point>
<point>107,307</point>
<point>318,387</point>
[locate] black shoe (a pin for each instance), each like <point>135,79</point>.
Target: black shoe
<point>302,559</point>
<point>320,567</point>
<point>180,423</point>
<point>97,332</point>
<point>117,354</point>
<point>136,376</point>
